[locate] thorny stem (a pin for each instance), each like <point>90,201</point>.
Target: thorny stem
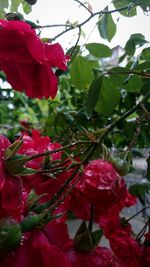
<point>49,152</point>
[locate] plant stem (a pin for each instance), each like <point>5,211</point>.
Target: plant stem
<point>92,211</point>
<point>133,216</point>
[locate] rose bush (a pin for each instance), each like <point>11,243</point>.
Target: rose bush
<point>42,182</point>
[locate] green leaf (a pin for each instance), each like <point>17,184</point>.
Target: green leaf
<point>83,240</point>
<point>4,4</point>
<point>93,94</point>
<point>107,27</point>
<point>135,40</point>
<point>96,237</point>
<point>12,149</point>
<point>81,72</point>
<point>74,51</point>
<point>134,84</point>
<point>15,4</point>
<point>129,11</point>
<point>26,7</point>
<point>109,98</point>
<point>99,50</point>
<point>139,189</point>
<point>118,76</point>
<point>146,53</point>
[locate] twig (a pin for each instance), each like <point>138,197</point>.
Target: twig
<point>133,216</point>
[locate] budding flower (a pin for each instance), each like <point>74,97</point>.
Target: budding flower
<point>10,234</point>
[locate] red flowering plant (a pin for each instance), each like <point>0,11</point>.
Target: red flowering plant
<point>44,181</point>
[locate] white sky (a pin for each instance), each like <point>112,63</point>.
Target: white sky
<point>59,11</point>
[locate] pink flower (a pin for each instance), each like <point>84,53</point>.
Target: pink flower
<point>27,61</point>
<point>35,144</point>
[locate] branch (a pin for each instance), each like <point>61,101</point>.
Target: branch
<point>137,213</point>
<point>92,15</point>
<point>81,4</point>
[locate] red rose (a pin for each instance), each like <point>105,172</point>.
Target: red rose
<point>100,257</point>
<point>126,248</point>
<point>36,250</point>
<point>11,191</point>
<point>27,61</point>
<point>102,185</point>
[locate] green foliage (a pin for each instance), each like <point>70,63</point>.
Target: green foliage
<point>99,50</point>
<point>139,189</point>
<point>81,72</point>
<point>125,7</point>
<point>107,27</point>
<point>15,4</point>
<point>108,98</point>
<point>135,40</point>
<point>93,94</point>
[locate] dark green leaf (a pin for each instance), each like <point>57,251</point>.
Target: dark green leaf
<point>99,50</point>
<point>107,27</point>
<point>109,98</point>
<point>136,39</point>
<point>83,240</point>
<point>139,189</point>
<point>96,237</point>
<point>81,72</point>
<point>93,94</point>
